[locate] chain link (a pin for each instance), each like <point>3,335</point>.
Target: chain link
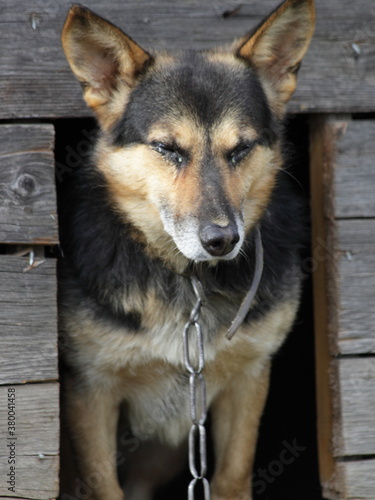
<point>198,403</point>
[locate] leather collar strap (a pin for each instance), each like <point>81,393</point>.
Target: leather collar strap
<point>249,297</point>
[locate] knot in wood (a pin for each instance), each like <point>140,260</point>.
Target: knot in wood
<point>25,185</point>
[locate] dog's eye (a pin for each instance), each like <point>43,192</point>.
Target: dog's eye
<point>170,152</point>
<point>240,151</point>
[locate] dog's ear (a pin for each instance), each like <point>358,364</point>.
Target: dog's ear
<point>276,47</point>
<point>102,57</point>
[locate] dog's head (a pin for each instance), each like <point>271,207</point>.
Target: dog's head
<point>190,142</point>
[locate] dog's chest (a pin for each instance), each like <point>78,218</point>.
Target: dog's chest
<point>145,368</point>
<point>162,323</point>
<point>107,349</point>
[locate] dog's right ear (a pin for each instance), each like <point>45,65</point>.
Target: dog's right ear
<point>103,58</point>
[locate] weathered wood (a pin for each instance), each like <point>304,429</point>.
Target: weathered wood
<point>36,80</point>
<point>354,433</point>
<point>320,157</point>
<point>356,284</point>
<point>347,245</point>
<point>355,171</point>
<point>27,187</point>
<point>360,479</point>
<point>344,284</point>
<point>37,444</point>
<point>355,425</point>
<point>28,321</point>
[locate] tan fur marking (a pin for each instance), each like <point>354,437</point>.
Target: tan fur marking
<point>224,57</point>
<point>236,413</point>
<point>137,179</point>
<point>183,130</point>
<point>184,192</point>
<point>228,132</point>
<point>163,59</point>
<point>268,162</point>
<point>140,173</point>
<point>224,138</point>
<point>250,183</point>
<point>92,420</point>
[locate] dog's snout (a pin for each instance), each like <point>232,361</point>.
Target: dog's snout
<point>219,241</point>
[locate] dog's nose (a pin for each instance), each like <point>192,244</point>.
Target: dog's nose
<point>219,241</point>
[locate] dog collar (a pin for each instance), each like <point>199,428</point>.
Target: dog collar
<point>249,297</point>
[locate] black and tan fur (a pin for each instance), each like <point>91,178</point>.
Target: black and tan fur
<point>189,158</point>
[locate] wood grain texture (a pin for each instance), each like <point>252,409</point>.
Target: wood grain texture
<point>360,479</point>
<point>355,426</point>
<point>28,211</point>
<point>356,279</point>
<point>355,171</point>
<point>347,242</point>
<point>28,321</point>
<point>36,81</point>
<point>37,443</point>
<point>344,293</point>
<point>321,135</point>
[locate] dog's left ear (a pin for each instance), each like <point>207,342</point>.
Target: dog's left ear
<point>278,44</point>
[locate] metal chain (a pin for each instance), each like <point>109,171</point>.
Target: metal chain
<point>197,434</point>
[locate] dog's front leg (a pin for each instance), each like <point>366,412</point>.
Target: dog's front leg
<point>92,418</point>
<point>236,413</point>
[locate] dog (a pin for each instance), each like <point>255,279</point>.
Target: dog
<point>187,166</point>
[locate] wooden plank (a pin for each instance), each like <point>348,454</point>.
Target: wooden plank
<point>28,321</point>
<point>355,171</point>
<point>349,262</point>
<point>34,445</point>
<point>360,479</point>
<point>344,284</point>
<point>36,81</point>
<point>355,425</point>
<point>321,139</point>
<point>27,187</point>
<point>356,279</point>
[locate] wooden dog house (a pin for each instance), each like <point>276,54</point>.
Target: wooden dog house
<point>336,93</point>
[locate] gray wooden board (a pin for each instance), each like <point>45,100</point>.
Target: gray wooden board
<point>355,427</point>
<point>27,188</point>
<point>359,479</point>
<point>36,81</point>
<point>355,171</point>
<point>28,321</point>
<point>37,444</point>
<point>356,280</point>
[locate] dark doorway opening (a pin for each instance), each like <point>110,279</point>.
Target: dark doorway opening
<point>286,464</point>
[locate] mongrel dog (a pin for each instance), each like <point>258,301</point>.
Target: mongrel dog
<point>187,163</point>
